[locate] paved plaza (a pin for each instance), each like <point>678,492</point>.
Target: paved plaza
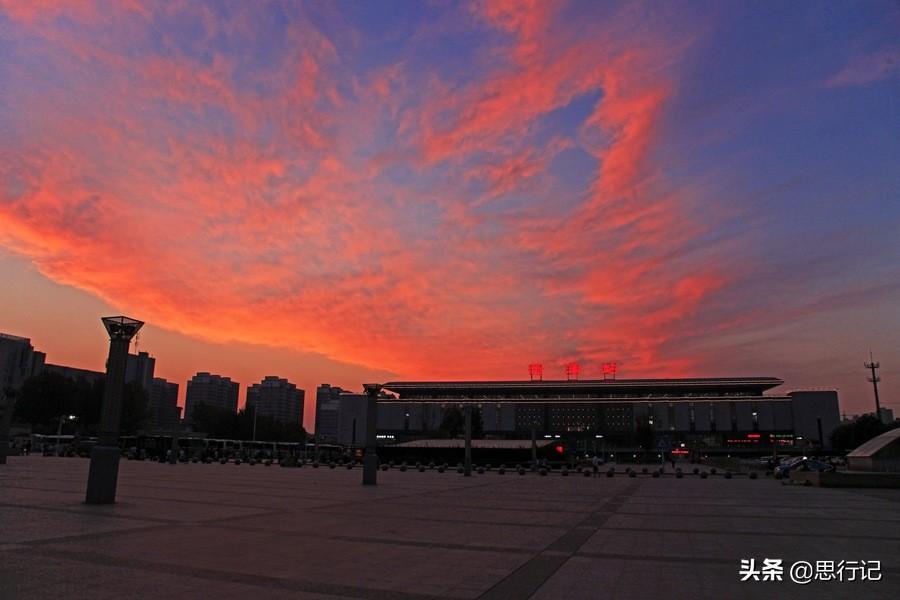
<point>242,531</point>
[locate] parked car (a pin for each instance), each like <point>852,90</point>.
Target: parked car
<point>803,464</point>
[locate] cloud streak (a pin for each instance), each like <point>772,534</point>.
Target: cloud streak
<point>275,176</point>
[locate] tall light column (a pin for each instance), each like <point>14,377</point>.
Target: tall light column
<point>7,404</point>
<point>370,459</point>
<point>467,464</point>
<point>104,469</point>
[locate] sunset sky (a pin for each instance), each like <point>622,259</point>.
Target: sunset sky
<point>362,191</point>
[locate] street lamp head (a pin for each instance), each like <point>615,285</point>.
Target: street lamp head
<point>121,328</point>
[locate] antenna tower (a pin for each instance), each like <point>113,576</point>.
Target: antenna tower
<point>874,378</point>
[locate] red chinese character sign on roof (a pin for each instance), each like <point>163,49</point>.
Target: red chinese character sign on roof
<point>609,370</point>
<point>572,371</point>
<point>536,372</point>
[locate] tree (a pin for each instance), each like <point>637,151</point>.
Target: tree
<point>851,435</point>
<point>453,422</point>
<point>44,397</point>
<point>643,433</point>
<point>135,412</point>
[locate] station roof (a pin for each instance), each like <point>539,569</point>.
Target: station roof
<point>601,386</point>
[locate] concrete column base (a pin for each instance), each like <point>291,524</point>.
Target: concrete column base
<point>370,469</point>
<point>103,475</point>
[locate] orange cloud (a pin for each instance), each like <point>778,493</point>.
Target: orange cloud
<point>258,205</point>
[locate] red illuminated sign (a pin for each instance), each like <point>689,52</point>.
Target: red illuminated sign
<point>753,436</point>
<point>560,449</point>
<point>679,451</point>
<point>536,371</point>
<point>609,370</point>
<point>573,369</point>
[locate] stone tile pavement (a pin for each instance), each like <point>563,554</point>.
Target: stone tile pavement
<point>242,531</point>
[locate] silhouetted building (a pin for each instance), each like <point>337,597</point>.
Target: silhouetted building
<point>277,398</point>
<point>340,416</point>
<point>733,412</point>
<point>74,373</point>
<point>212,390</point>
<point>163,405</point>
<point>139,369</point>
<point>18,361</point>
<point>815,415</point>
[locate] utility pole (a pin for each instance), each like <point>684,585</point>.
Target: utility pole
<point>370,458</point>
<point>467,459</point>
<point>874,366</point>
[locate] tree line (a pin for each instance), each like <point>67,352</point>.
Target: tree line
<point>46,397</point>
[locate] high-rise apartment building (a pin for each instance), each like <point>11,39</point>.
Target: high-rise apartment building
<point>278,398</point>
<point>213,390</point>
<point>163,405</point>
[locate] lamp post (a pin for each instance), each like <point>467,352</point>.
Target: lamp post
<point>104,470</point>
<point>7,404</point>
<point>370,459</point>
<point>62,418</point>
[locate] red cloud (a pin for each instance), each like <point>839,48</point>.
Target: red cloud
<point>246,206</point>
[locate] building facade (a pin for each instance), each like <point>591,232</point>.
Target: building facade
<point>165,414</point>
<point>735,412</point>
<point>18,361</point>
<point>277,398</point>
<point>213,390</point>
<point>340,416</point>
